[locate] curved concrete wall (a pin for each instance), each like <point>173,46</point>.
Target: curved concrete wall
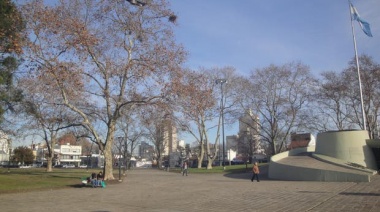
<point>281,171</point>
<point>291,173</point>
<point>348,146</point>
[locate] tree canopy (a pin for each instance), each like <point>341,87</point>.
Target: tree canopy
<point>11,38</point>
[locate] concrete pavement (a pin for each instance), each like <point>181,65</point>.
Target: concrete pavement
<point>157,190</point>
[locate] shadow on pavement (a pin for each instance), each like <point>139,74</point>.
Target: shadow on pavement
<point>358,194</point>
<point>247,175</point>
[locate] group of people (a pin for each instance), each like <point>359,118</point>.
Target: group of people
<point>97,179</point>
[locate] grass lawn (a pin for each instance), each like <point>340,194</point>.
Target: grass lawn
<point>20,180</point>
<point>32,179</point>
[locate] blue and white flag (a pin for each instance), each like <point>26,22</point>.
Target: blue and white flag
<point>363,24</point>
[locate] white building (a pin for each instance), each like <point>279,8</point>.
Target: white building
<point>4,148</point>
<point>69,154</point>
<point>181,143</point>
<point>167,132</point>
<point>63,154</point>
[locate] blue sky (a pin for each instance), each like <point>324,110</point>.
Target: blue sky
<point>250,34</point>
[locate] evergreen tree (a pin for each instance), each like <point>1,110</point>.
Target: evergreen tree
<point>23,155</point>
<point>11,37</point>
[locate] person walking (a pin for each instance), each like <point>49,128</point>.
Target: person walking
<point>184,169</point>
<point>255,172</point>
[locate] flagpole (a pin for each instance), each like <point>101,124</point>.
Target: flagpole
<point>358,69</point>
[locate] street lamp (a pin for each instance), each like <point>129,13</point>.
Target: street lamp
<point>89,155</point>
<point>137,3</point>
<point>221,82</point>
<point>10,153</point>
<point>119,164</point>
<point>9,159</point>
<point>120,147</point>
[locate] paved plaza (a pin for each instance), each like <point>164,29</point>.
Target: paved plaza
<point>157,190</point>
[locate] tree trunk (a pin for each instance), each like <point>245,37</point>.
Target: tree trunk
<point>108,166</point>
<point>209,163</point>
<point>200,157</point>
<point>126,165</point>
<point>50,163</point>
<point>159,163</point>
<point>273,144</point>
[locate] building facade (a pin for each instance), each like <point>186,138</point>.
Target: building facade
<point>248,139</point>
<point>63,154</point>
<point>5,148</point>
<point>167,133</point>
<point>69,154</point>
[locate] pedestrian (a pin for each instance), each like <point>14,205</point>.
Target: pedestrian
<point>184,167</point>
<point>255,172</point>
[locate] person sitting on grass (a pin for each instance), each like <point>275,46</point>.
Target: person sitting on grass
<point>99,179</point>
<point>93,180</point>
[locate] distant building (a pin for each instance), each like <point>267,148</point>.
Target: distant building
<point>231,147</point>
<point>167,133</point>
<point>63,154</point>
<point>93,160</point>
<point>145,150</point>
<point>181,143</point>
<point>5,146</point>
<point>69,154</point>
<point>249,134</point>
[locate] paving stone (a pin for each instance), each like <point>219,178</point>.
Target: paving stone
<point>157,190</point>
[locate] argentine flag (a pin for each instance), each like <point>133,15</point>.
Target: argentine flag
<point>363,24</point>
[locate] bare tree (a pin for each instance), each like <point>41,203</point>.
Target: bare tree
<point>44,115</point>
<point>370,77</point>
<point>331,102</point>
<point>198,107</point>
<point>129,128</point>
<point>102,56</point>
<point>279,95</point>
<point>248,141</point>
<point>155,123</point>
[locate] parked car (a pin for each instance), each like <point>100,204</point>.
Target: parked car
<point>69,166</point>
<point>83,166</point>
<point>58,166</point>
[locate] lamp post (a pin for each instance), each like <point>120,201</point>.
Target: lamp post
<point>121,146</point>
<point>125,156</point>
<point>137,3</point>
<point>119,165</point>
<point>221,82</point>
<point>10,153</point>
<point>89,154</point>
<point>9,159</point>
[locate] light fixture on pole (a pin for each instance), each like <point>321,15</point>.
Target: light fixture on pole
<point>137,3</point>
<point>221,82</point>
<point>10,153</point>
<point>121,145</point>
<point>119,165</point>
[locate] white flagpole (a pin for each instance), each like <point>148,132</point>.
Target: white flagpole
<point>358,69</point>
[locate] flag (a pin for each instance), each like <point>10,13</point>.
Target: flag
<point>363,24</point>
